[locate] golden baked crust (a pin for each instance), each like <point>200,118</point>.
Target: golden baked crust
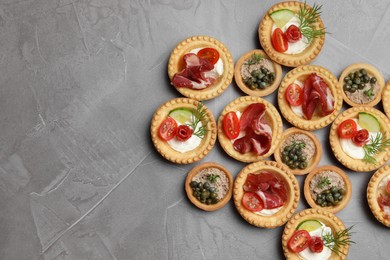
<point>175,65</point>
<point>290,60</point>
<point>257,92</point>
<point>346,196</point>
<point>194,200</point>
<point>386,99</point>
<point>281,216</point>
<point>317,121</point>
<point>313,161</point>
<point>349,162</point>
<point>239,104</point>
<point>372,194</point>
<point>371,70</point>
<point>326,217</point>
<point>163,147</point>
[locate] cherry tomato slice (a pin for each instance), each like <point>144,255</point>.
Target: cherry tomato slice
<point>209,54</point>
<point>299,241</point>
<point>293,34</point>
<point>360,138</point>
<point>184,132</point>
<point>347,129</point>
<point>388,187</point>
<point>316,245</point>
<point>294,95</point>
<point>231,125</point>
<point>167,129</point>
<point>279,40</point>
<point>252,202</point>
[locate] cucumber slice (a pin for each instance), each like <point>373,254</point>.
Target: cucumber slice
<point>309,225</point>
<point>181,115</point>
<point>282,16</point>
<point>369,122</point>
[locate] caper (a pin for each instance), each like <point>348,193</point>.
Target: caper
<point>302,165</point>
<point>212,189</point>
<point>349,82</point>
<point>326,192</point>
<point>302,158</point>
<point>324,204</point>
<point>284,158</point>
<point>193,184</point>
<point>373,80</point>
<point>200,185</point>
<point>209,201</point>
<point>346,79</point>
<point>363,72</point>
<point>334,189</point>
<point>255,73</point>
<point>205,195</point>
<point>319,201</point>
<point>341,198</point>
<point>296,164</point>
<point>353,88</point>
<point>196,193</point>
<point>263,85</point>
<point>214,195</point>
<point>330,198</point>
<point>361,86</point>
<point>336,196</point>
<point>295,158</point>
<point>357,81</point>
<point>206,185</point>
<point>291,154</point>
<point>366,79</point>
<point>351,75</point>
<point>342,191</point>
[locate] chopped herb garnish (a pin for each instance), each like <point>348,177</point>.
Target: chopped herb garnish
<point>255,59</point>
<point>199,116</point>
<point>337,240</point>
<point>308,17</point>
<point>369,93</point>
<point>323,182</point>
<point>213,178</point>
<point>377,145</point>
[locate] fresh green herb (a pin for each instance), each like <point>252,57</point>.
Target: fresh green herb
<point>199,116</point>
<point>308,17</point>
<point>323,182</point>
<point>255,59</point>
<point>337,240</point>
<point>369,93</point>
<point>377,145</point>
<point>213,178</point>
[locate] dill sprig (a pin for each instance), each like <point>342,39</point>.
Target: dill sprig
<point>199,116</point>
<point>308,17</point>
<point>255,59</point>
<point>377,145</point>
<point>213,178</point>
<point>323,182</point>
<point>337,240</point>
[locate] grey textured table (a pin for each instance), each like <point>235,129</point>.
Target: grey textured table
<point>79,83</point>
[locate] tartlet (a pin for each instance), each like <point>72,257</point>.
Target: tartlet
<point>323,170</point>
<point>317,121</point>
<point>359,165</point>
<point>206,144</point>
<point>239,104</point>
<point>176,64</point>
<point>280,217</point>
<point>314,149</point>
<point>358,98</point>
<point>372,194</point>
<point>386,99</point>
<point>290,60</point>
<point>326,217</point>
<point>238,77</point>
<point>197,170</point>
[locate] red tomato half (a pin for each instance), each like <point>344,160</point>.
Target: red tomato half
<point>347,129</point>
<point>299,241</point>
<point>293,34</point>
<point>294,95</point>
<point>252,202</point>
<point>316,245</point>
<point>209,54</point>
<point>388,187</point>
<point>184,132</point>
<point>360,138</point>
<point>231,125</point>
<point>167,129</point>
<point>279,40</point>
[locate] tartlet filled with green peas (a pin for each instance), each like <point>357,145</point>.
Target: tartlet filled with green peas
<point>209,186</point>
<point>300,151</point>
<point>362,85</point>
<point>328,187</point>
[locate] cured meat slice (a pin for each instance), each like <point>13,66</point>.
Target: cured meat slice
<point>259,143</point>
<point>384,204</point>
<point>250,113</point>
<point>271,201</point>
<point>198,73</point>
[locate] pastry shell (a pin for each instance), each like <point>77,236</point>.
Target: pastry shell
<point>280,217</point>
<point>290,60</point>
<point>326,217</point>
<point>257,92</point>
<point>239,104</point>
<point>358,165</point>
<point>317,121</point>
<point>163,147</point>
<point>313,161</point>
<point>348,188</point>
<point>194,200</point>
<point>175,64</point>
<point>372,193</point>
<point>371,70</point>
<point>386,99</point>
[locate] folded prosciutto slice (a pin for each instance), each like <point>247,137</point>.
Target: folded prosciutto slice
<point>258,133</point>
<point>316,93</point>
<point>198,73</point>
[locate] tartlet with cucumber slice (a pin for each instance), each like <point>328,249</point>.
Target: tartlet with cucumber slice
<point>360,138</point>
<point>316,234</point>
<point>362,85</point>
<point>183,130</point>
<point>292,33</point>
